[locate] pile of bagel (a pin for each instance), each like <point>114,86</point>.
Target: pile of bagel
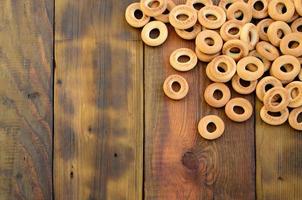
<point>251,46</point>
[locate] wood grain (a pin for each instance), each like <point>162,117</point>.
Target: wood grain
<point>178,163</point>
<point>279,161</point>
<point>98,102</point>
<point>26,99</point>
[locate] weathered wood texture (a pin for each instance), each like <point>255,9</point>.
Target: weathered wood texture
<point>25,99</point>
<point>279,161</point>
<point>178,163</point>
<point>98,102</point>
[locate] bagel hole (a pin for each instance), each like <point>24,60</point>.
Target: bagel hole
<point>299,118</point>
<point>153,4</point>
<point>222,67</point>
<point>176,86</point>
<point>209,41</point>
<point>211,17</point>
<point>233,31</point>
<point>265,29</point>
<point>228,5</point>
<point>244,83</point>
<point>218,94</point>
<point>280,34</point>
<point>268,87</point>
<point>276,100</point>
<point>182,17</point>
<point>198,6</point>
<point>281,8</point>
<point>251,67</point>
<point>138,14</point>
<point>154,33</point>
<point>189,29</point>
<point>238,110</point>
<point>294,92</point>
<point>211,127</point>
<point>293,44</point>
<point>183,59</point>
<point>250,36</point>
<point>235,50</point>
<point>258,5</point>
<point>299,28</point>
<point>274,114</point>
<point>238,15</point>
<point>287,68</point>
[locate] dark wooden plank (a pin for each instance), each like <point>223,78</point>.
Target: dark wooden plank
<point>279,161</point>
<point>26,99</point>
<point>98,102</point>
<point>179,164</point>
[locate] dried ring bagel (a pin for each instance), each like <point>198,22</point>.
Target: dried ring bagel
<point>272,118</point>
<point>249,34</point>
<point>262,28</point>
<point>245,105</point>
<point>163,33</point>
<point>291,44</point>
<point>217,102</point>
<point>183,17</point>
<point>265,85</point>
<point>267,50</point>
<point>231,30</point>
<point>221,69</point>
<point>291,73</point>
<point>164,17</point>
<point>205,122</point>
<point>132,19</point>
<point>242,86</point>
<point>183,66</point>
<point>266,63</point>
<point>199,3</point>
<point>259,8</point>
<point>276,31</point>
<point>298,6</point>
<point>205,57</point>
<point>209,42</point>
<point>172,93</point>
<point>153,8</point>
<point>211,17</point>
<point>244,68</point>
<point>293,119</point>
<point>281,10</point>
<point>276,99</point>
<point>189,34</point>
<point>295,93</point>
<point>242,7</point>
<point>296,26</point>
<point>236,49</point>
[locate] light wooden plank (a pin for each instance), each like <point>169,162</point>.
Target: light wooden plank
<point>98,102</point>
<point>26,99</point>
<point>279,161</point>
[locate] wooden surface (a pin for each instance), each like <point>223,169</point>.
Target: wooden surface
<point>26,99</point>
<point>279,161</point>
<point>116,135</point>
<point>98,101</point>
<point>178,163</point>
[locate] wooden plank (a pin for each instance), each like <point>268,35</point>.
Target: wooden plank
<point>279,161</point>
<point>178,163</point>
<point>98,102</point>
<point>26,99</point>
